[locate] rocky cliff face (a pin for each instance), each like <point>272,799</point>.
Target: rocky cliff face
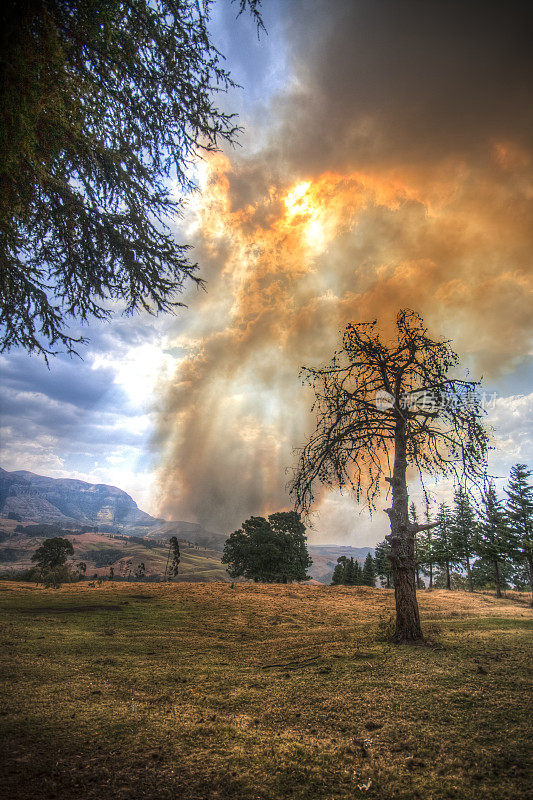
<point>66,501</point>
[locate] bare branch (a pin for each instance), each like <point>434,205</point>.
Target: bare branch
<point>355,433</point>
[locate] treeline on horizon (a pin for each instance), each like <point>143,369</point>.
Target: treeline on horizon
<point>473,545</point>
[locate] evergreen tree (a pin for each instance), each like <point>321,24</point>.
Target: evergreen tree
<point>442,545</point>
<point>174,553</point>
<point>495,542</point>
<point>350,574</point>
<point>102,104</point>
<point>369,571</point>
<point>353,574</point>
<point>457,580</point>
<point>424,543</point>
<point>413,517</point>
<point>382,563</point>
<point>520,576</point>
<point>428,547</point>
<point>339,573</point>
<point>520,514</point>
<point>483,574</point>
<point>463,533</point>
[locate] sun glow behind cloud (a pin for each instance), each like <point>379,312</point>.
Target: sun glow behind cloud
<point>286,269</point>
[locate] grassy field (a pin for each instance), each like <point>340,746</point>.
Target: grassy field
<point>197,563</point>
<point>199,691</point>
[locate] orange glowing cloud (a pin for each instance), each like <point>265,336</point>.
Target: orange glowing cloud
<point>285,273</point>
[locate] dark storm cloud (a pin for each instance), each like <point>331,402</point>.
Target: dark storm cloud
<point>386,80</point>
<point>73,383</point>
<point>75,414</point>
<point>30,415</point>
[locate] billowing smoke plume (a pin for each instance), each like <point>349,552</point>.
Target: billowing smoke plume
<point>398,174</point>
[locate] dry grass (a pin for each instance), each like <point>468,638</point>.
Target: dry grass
<point>200,691</point>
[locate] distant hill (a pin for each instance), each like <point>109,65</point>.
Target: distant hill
<point>66,500</point>
<point>183,530</point>
<point>70,503</point>
<point>100,551</point>
<point>325,558</point>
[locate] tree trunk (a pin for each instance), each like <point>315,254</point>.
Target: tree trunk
<point>417,579</point>
<point>402,542</point>
<point>469,575</point>
<point>497,578</point>
<point>448,580</point>
<point>530,565</point>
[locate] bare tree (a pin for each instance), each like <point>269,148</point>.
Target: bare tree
<point>378,403</point>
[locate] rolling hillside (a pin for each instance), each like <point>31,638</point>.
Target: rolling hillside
<point>99,551</point>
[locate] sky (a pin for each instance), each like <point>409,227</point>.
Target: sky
<point>385,163</point>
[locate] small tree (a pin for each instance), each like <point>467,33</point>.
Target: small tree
<point>381,405</point>
<point>495,542</point>
<point>338,577</point>
<point>173,558</point>
<point>457,580</point>
<point>352,575</point>
<point>369,571</point>
<point>176,556</point>
<point>483,576</point>
<point>520,512</point>
<point>426,547</point>
<point>418,548</point>
<point>273,550</point>
<point>463,533</point>
<point>383,563</point>
<point>140,572</point>
<point>51,559</point>
<point>442,545</point>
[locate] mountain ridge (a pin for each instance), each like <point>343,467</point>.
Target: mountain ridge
<point>73,503</point>
<point>70,503</point>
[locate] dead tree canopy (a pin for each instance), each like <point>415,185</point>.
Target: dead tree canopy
<point>380,408</point>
